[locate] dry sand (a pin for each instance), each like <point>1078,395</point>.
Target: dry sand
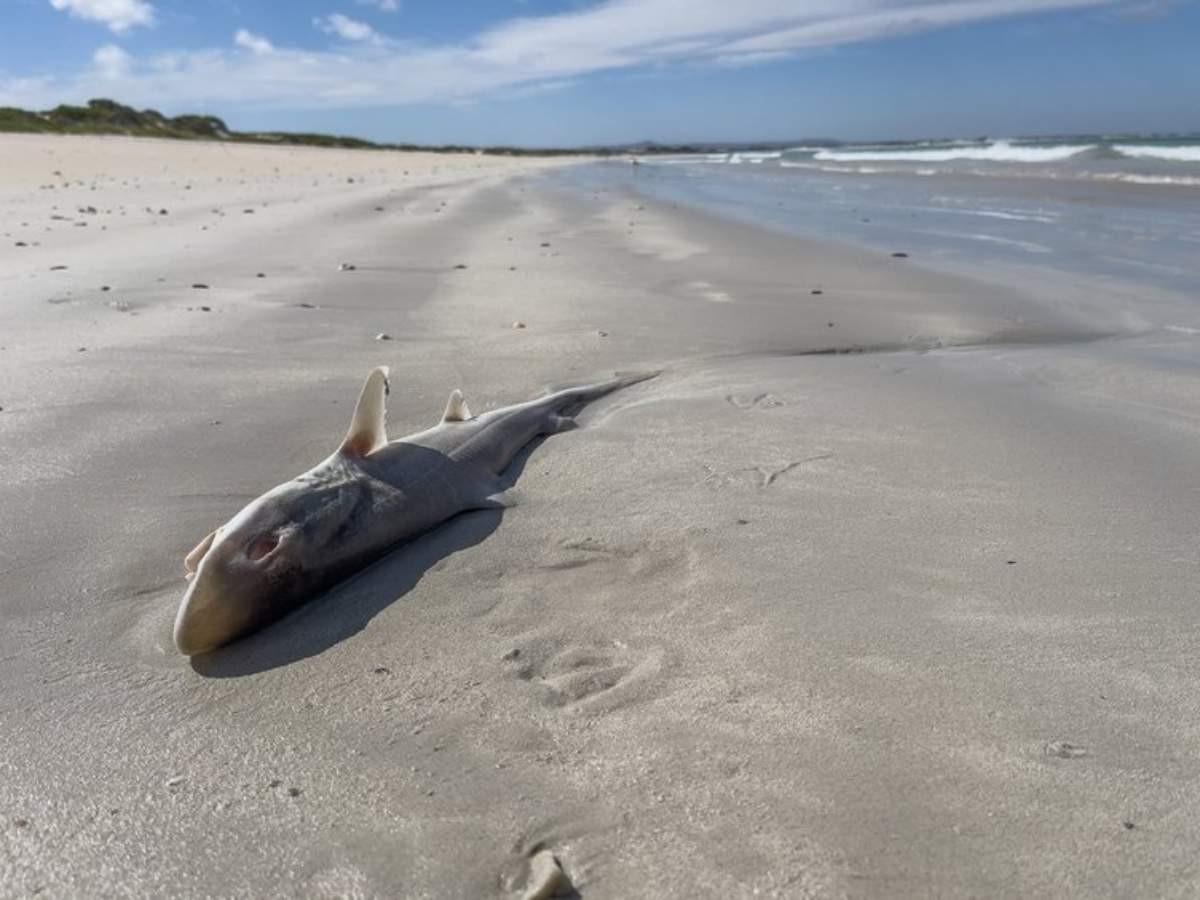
<point>782,622</point>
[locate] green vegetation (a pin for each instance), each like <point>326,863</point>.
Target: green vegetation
<point>109,117</point>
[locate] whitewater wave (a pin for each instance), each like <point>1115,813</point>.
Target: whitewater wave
<point>1134,178</point>
<point>752,157</point>
<point>1000,151</point>
<point>1183,153</point>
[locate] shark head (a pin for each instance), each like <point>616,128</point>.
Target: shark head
<point>241,576</point>
<point>255,567</point>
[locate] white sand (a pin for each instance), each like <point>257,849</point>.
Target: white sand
<point>890,623</point>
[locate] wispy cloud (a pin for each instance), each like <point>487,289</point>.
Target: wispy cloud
<point>519,55</point>
<point>257,45</point>
<point>119,15</point>
<point>346,28</point>
<point>385,5</point>
<point>111,62</point>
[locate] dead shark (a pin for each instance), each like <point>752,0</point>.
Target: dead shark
<point>370,495</point>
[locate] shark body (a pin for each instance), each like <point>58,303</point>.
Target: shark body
<point>371,494</point>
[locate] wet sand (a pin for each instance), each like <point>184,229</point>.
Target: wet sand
<point>886,590</point>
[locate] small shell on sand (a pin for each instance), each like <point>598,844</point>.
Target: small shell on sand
<point>383,336</point>
<point>346,267</point>
<point>518,324</point>
<point>1065,750</point>
<point>546,878</point>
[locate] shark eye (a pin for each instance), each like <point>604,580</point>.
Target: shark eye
<point>261,546</point>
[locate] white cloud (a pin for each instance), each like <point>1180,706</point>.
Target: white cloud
<point>385,5</point>
<point>112,62</point>
<point>259,46</point>
<point>346,28</point>
<point>119,15</point>
<point>517,56</point>
<point>741,60</point>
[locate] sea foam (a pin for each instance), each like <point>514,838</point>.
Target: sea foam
<point>1182,153</point>
<point>999,151</point>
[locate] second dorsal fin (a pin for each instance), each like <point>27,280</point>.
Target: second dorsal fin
<point>456,408</point>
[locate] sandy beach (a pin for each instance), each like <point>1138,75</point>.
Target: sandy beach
<point>885,587</point>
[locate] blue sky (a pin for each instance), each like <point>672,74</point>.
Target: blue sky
<point>539,72</point>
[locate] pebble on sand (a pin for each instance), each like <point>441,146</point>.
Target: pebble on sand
<point>546,878</point>
<point>383,336</point>
<point>460,265</point>
<point>900,255</point>
<point>518,324</point>
<point>346,267</point>
<point>261,275</point>
<point>199,286</point>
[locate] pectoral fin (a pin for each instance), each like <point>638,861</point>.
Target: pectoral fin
<point>456,408</point>
<point>192,561</point>
<point>368,431</point>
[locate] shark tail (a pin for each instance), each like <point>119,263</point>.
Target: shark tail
<point>570,401</point>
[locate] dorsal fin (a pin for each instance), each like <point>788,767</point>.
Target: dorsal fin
<point>367,430</point>
<point>456,408</point>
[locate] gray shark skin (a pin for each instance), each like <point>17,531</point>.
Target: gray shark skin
<point>309,533</point>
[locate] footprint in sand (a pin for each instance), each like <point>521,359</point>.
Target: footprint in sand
<point>637,559</point>
<point>754,401</point>
<point>760,476</point>
<point>589,678</point>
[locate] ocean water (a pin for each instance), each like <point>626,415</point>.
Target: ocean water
<point>1128,210</point>
<point>1135,160</point>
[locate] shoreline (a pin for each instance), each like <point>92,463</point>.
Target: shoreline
<point>780,621</point>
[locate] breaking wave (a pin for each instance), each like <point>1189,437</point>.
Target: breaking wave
<point>1175,153</point>
<point>1000,151</point>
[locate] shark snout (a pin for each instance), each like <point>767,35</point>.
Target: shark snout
<point>206,617</point>
<point>235,588</point>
